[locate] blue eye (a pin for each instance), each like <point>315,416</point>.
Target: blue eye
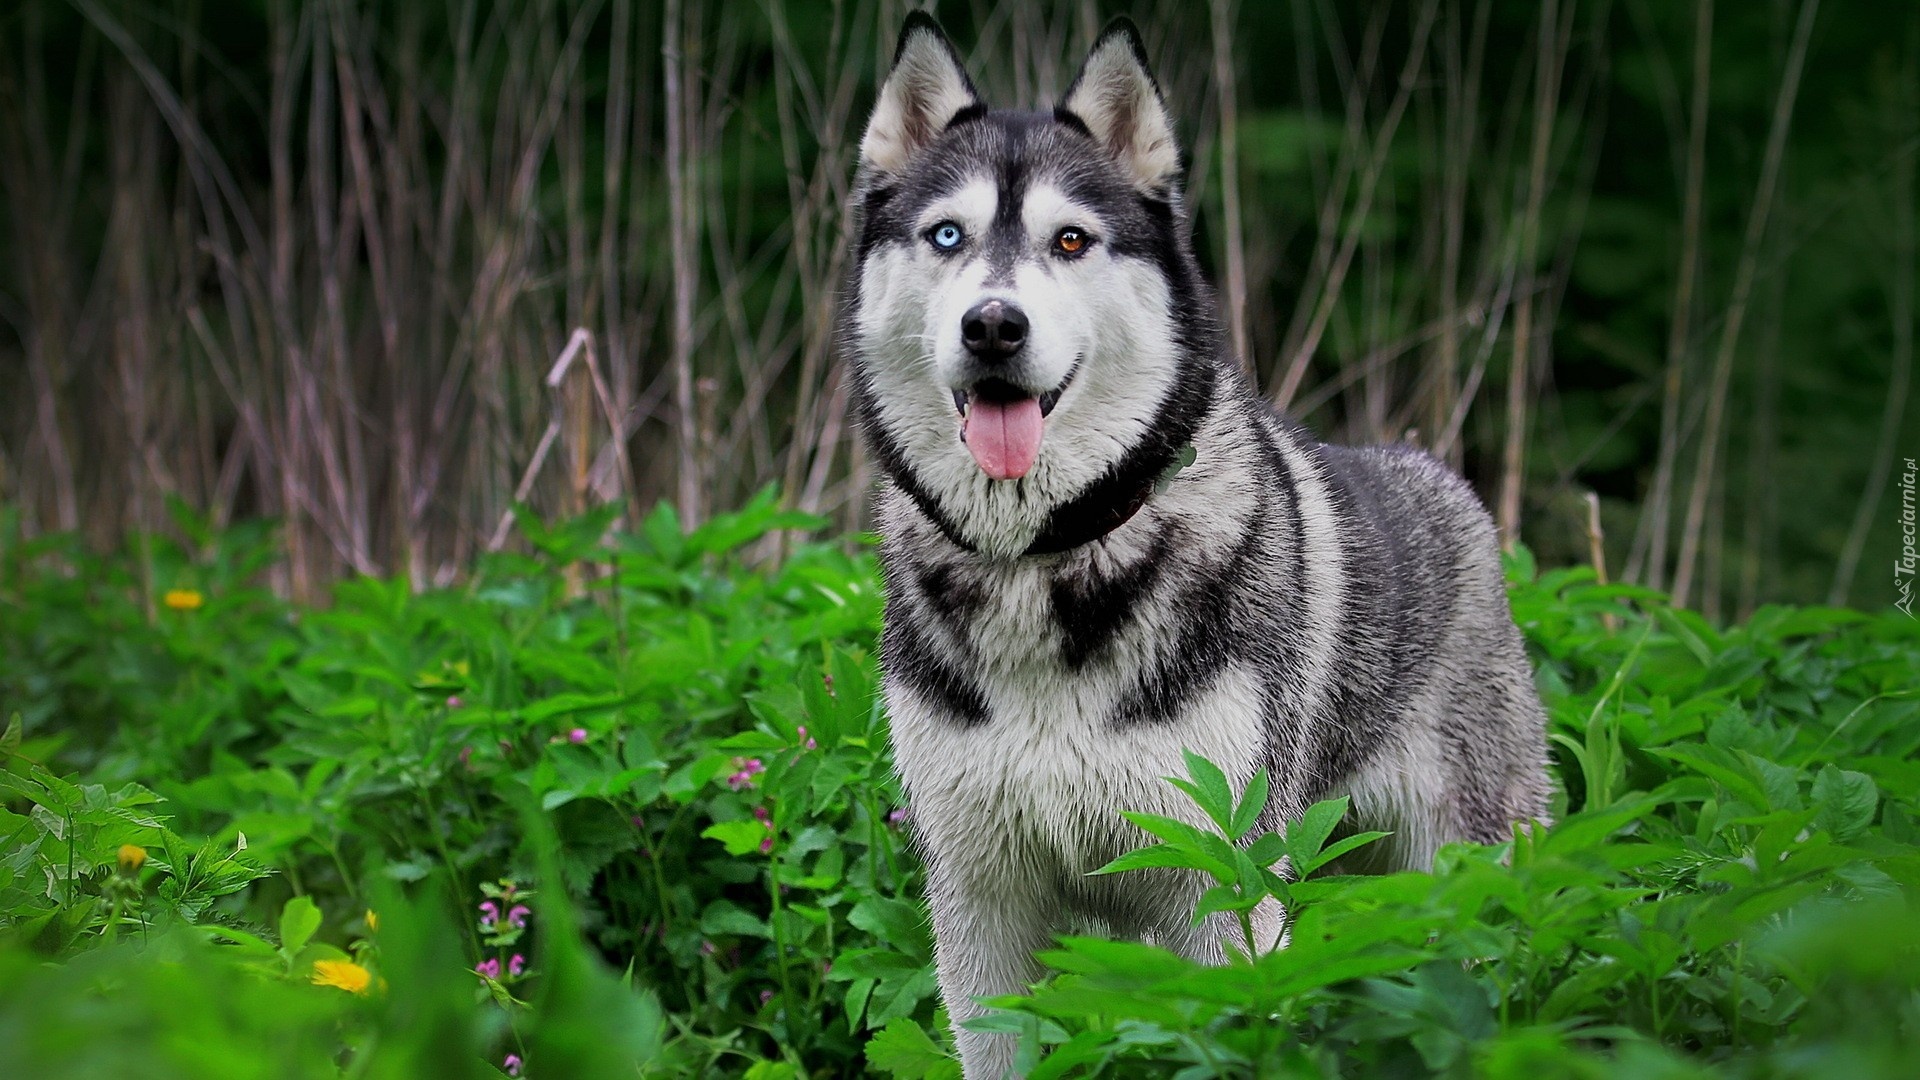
<point>946,236</point>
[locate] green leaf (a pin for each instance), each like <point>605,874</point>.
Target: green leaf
<point>903,1049</point>
<point>900,923</point>
<point>1267,850</point>
<point>299,919</point>
<point>1336,849</point>
<point>1215,795</point>
<point>1223,898</point>
<point>1844,802</point>
<point>1252,804</point>
<point>1156,856</point>
<point>723,917</point>
<point>740,837</point>
<point>1172,830</point>
<point>242,942</point>
<point>1306,836</point>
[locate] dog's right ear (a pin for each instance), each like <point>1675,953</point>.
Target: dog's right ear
<point>926,89</point>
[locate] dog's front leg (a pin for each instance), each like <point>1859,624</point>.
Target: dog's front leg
<point>983,946</point>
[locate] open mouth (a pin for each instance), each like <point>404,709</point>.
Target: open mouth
<point>1002,424</point>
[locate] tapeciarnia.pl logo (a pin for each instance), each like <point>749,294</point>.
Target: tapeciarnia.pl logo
<point>1903,567</point>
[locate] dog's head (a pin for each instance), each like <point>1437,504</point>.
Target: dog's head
<point>1027,325</point>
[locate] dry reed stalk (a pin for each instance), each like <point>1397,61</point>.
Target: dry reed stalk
<point>1221,14</point>
<point>1900,232</point>
<point>1760,513</point>
<point>1314,303</point>
<point>682,225</point>
<point>1461,76</point>
<point>1659,506</point>
<point>1705,470</point>
<point>1550,51</point>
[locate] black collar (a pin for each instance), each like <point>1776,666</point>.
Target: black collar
<point>1101,509</point>
<point>1094,514</point>
<point>1075,523</point>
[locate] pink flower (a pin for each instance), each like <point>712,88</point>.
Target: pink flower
<point>745,770</point>
<point>453,701</point>
<point>517,916</point>
<point>516,966</point>
<point>899,816</point>
<point>766,996</point>
<point>811,745</point>
<point>489,914</point>
<point>706,948</point>
<point>489,967</point>
<point>511,1065</point>
<point>760,814</point>
<point>577,735</point>
<point>766,846</point>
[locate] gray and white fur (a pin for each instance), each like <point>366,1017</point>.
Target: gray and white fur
<point>1056,637</point>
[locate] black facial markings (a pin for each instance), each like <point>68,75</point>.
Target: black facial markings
<point>1157,208</point>
<point>1091,609</point>
<point>875,226</point>
<point>967,115</point>
<point>1006,238</point>
<point>1068,118</point>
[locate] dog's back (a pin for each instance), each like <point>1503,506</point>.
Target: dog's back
<point>1434,647</point>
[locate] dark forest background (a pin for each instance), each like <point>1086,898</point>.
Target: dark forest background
<point>1644,270</point>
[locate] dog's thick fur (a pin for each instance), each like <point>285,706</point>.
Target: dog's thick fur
<point>1054,640</point>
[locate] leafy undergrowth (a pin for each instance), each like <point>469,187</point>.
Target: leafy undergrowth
<point>624,806</point>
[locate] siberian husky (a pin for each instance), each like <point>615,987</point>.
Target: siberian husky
<point>1102,547</point>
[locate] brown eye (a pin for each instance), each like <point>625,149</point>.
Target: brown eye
<point>1070,241</point>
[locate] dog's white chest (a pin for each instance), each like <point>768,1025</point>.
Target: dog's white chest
<point>1038,789</point>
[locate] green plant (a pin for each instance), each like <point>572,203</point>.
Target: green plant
<point>683,751</point>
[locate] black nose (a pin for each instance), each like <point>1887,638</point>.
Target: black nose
<point>994,330</point>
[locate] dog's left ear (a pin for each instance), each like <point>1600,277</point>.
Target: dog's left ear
<point>926,89</point>
<point>1117,99</point>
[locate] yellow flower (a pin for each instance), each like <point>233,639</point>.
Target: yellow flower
<point>344,974</point>
<point>183,599</point>
<point>132,857</point>
<point>373,922</point>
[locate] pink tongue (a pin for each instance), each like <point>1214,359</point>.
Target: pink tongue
<point>1004,436</point>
